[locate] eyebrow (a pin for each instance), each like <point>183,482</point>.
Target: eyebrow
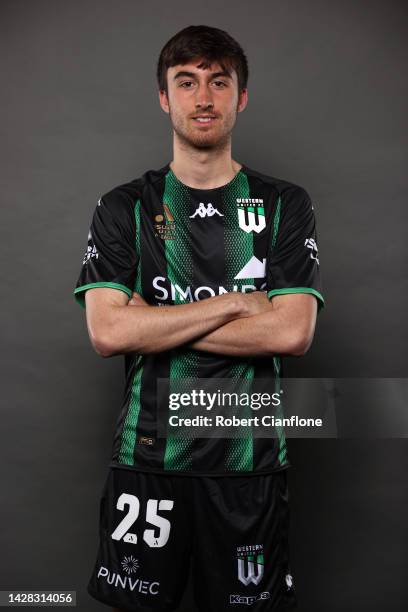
<point>185,73</point>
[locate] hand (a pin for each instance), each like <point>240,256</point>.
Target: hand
<point>255,303</point>
<point>137,300</point>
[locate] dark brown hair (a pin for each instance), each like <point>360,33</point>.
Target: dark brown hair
<point>211,45</point>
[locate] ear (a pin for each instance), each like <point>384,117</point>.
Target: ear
<point>242,100</point>
<point>164,101</point>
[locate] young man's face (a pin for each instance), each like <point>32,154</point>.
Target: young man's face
<point>202,103</point>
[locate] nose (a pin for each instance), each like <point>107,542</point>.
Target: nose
<point>204,97</point>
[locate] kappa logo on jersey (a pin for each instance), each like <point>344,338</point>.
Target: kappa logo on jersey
<point>250,564</point>
<point>91,251</point>
<point>310,243</point>
<point>206,211</point>
<point>255,268</point>
<point>251,218</point>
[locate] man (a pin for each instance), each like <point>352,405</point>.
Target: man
<point>230,257</point>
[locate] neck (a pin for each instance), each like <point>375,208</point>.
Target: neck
<point>203,168</point>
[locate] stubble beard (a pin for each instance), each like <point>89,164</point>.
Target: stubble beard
<point>191,137</point>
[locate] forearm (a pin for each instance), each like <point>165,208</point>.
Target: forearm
<point>150,329</point>
<point>265,334</point>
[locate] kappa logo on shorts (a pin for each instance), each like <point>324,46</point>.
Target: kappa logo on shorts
<point>250,563</point>
<point>248,599</point>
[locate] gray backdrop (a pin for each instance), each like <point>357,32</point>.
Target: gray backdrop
<point>79,115</point>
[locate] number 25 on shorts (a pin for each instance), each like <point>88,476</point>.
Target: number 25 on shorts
<point>150,536</point>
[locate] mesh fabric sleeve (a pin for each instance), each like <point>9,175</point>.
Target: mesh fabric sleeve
<point>110,259</point>
<point>293,262</point>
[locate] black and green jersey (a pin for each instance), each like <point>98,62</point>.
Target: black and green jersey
<point>174,244</point>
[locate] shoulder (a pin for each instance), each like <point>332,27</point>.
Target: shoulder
<point>122,199</point>
<point>292,196</point>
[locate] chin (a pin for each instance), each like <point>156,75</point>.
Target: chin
<point>208,143</point>
<point>204,144</point>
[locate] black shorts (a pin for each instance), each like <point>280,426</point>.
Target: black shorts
<point>232,529</point>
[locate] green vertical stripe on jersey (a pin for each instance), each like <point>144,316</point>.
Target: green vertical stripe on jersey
<point>282,456</point>
<point>276,220</point>
<point>239,248</point>
<point>138,282</point>
<point>128,436</point>
<point>183,363</point>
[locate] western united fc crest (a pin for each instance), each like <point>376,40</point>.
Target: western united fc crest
<point>250,560</point>
<point>251,214</point>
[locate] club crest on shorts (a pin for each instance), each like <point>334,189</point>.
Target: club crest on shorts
<point>251,214</point>
<point>250,564</point>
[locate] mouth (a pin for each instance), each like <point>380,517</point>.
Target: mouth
<point>204,119</point>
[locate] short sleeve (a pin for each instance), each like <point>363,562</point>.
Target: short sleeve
<point>110,259</point>
<point>293,263</point>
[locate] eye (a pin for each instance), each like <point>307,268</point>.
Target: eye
<point>220,84</point>
<point>186,83</point>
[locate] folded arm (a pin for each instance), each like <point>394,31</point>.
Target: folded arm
<point>231,324</point>
<point>286,327</point>
<point>116,328</point>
